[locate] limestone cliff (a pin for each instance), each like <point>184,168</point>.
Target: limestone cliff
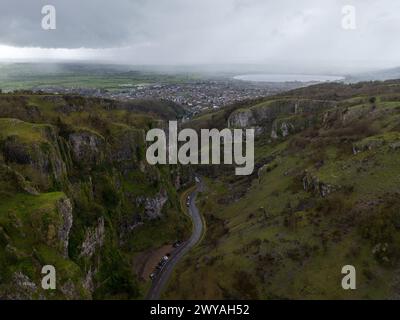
<point>263,116</point>
<point>76,193</point>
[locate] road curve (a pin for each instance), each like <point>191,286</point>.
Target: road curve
<point>160,281</point>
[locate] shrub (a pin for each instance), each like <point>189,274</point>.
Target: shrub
<point>381,228</point>
<point>244,284</point>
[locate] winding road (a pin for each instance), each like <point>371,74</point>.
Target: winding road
<point>160,281</point>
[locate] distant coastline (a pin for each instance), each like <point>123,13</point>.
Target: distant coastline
<point>287,78</point>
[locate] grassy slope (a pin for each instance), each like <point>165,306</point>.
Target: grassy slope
<point>27,220</point>
<point>280,241</point>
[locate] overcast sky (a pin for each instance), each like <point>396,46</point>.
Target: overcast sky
<point>284,33</point>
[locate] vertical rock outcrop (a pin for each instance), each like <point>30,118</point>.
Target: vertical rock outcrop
<point>94,239</point>
<point>87,147</point>
<point>64,207</point>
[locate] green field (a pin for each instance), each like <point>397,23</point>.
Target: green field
<point>36,76</point>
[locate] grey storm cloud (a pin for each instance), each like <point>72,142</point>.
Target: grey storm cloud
<point>209,31</point>
<point>85,23</point>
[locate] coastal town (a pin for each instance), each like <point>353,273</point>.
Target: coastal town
<point>196,96</point>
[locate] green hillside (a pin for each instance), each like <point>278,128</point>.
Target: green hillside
<point>324,194</point>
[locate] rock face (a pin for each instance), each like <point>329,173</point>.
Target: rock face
<point>395,145</point>
<point>23,288</point>
<point>69,290</point>
<point>153,205</point>
<point>87,147</point>
<point>313,184</point>
<point>15,151</point>
<point>262,117</point>
<point>94,239</point>
<point>58,183</point>
<point>39,159</point>
<point>127,146</point>
<point>367,145</point>
<point>88,281</point>
<point>241,119</point>
<point>19,182</point>
<point>64,207</point>
<point>282,129</point>
<point>344,116</point>
<point>377,142</point>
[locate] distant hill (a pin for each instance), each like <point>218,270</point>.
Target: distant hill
<point>379,75</point>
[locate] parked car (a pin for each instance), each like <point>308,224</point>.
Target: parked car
<point>177,244</point>
<point>188,201</point>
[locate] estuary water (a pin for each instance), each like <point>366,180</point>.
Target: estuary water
<point>287,78</point>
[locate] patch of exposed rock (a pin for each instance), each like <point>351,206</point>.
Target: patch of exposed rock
<point>23,288</point>
<point>88,283</point>
<point>241,119</point>
<point>126,147</point>
<point>313,184</point>
<point>94,239</point>
<point>87,147</point>
<point>262,117</point>
<point>64,207</point>
<point>44,157</point>
<point>283,129</point>
<point>69,290</point>
<point>153,205</point>
<point>18,182</point>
